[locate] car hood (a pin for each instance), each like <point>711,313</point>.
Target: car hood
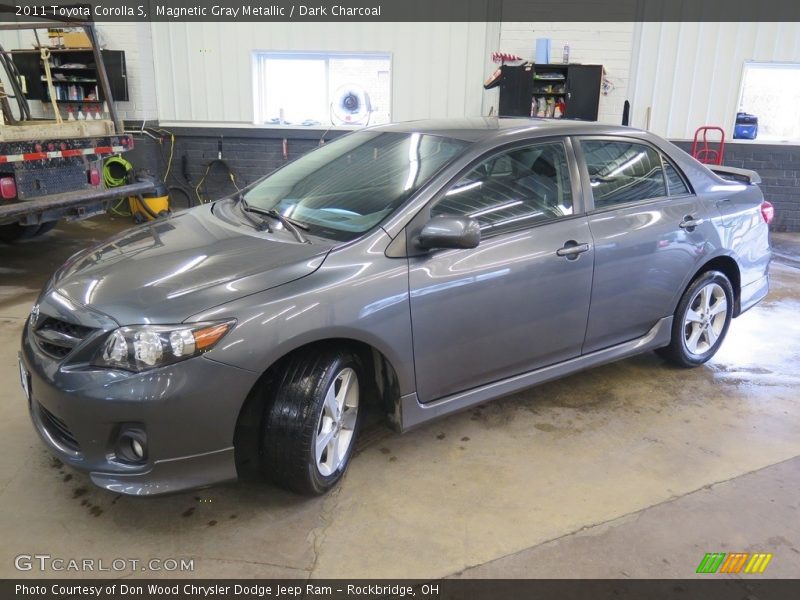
<point>167,270</point>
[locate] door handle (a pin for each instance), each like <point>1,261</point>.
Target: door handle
<point>572,249</point>
<point>689,223</point>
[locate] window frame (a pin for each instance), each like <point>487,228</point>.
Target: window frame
<point>586,180</point>
<point>578,205</point>
<point>257,91</point>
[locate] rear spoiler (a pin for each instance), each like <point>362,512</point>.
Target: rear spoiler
<point>734,174</point>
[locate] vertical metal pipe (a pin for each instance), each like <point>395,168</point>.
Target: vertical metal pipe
<point>102,76</point>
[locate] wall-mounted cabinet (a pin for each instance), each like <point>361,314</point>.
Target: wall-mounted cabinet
<point>552,91</point>
<point>74,75</point>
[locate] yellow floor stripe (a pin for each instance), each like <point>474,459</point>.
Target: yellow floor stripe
<point>764,564</point>
<point>753,564</point>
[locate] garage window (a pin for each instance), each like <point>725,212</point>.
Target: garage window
<point>518,187</point>
<point>622,172</point>
<point>321,89</point>
<point>771,92</point>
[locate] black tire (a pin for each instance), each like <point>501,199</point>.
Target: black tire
<point>294,416</point>
<point>708,332</point>
<point>14,232</point>
<point>46,228</point>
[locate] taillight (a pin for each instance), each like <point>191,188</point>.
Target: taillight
<point>767,211</point>
<point>94,177</point>
<point>8,188</point>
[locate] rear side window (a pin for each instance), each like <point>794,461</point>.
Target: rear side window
<point>622,172</point>
<point>677,186</point>
<point>515,188</point>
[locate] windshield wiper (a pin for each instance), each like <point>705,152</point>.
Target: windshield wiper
<point>287,222</point>
<point>259,224</point>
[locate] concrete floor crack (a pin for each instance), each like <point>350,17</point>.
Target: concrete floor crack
<point>253,562</point>
<point>329,504</point>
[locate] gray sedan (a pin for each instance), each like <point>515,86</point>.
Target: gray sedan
<point>422,267</point>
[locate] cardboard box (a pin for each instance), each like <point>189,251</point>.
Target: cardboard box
<point>76,39</point>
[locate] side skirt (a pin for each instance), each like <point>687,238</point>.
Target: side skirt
<point>413,413</point>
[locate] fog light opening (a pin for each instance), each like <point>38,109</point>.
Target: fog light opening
<point>131,446</point>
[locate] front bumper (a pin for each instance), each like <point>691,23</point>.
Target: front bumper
<point>188,411</point>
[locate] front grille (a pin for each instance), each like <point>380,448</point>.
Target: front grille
<point>58,338</point>
<point>58,429</point>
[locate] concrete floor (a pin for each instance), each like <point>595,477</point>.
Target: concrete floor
<point>629,470</point>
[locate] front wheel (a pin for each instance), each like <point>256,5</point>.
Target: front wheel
<point>701,320</point>
<point>312,421</point>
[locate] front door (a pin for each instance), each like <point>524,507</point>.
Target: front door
<point>520,300</point>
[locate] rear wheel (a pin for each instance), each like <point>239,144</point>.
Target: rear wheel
<point>14,232</point>
<point>312,421</point>
<point>46,227</point>
<point>701,320</point>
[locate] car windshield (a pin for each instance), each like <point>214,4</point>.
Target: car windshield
<point>348,186</point>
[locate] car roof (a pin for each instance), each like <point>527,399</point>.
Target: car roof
<point>484,128</point>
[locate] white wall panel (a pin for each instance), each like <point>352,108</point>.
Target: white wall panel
<point>689,74</point>
<point>203,71</point>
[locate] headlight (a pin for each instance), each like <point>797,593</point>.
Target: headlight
<point>143,347</point>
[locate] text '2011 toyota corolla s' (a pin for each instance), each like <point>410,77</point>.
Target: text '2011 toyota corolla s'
<point>424,267</point>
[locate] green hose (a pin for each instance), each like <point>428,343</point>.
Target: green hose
<point>116,171</point>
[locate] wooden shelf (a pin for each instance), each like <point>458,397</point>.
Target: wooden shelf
<point>63,81</point>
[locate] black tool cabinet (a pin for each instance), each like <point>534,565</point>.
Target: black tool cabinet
<point>29,65</point>
<point>577,86</point>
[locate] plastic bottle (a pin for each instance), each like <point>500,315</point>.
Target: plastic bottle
<point>70,114</point>
<point>81,116</point>
<point>566,53</point>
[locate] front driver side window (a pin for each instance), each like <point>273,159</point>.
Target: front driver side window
<point>518,187</point>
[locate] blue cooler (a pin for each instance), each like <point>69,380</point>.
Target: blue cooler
<point>746,127</point>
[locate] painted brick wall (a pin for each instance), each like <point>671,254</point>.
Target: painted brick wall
<point>608,44</point>
<point>779,168</point>
<point>250,154</point>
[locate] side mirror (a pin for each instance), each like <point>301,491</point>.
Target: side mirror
<point>449,232</point>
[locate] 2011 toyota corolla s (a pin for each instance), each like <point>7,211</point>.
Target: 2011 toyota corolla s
<point>425,267</point>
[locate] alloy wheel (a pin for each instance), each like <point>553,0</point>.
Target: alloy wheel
<point>337,421</point>
<point>705,319</point>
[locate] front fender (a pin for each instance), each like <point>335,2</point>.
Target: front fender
<point>358,294</point>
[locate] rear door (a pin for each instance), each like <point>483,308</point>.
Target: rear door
<point>519,300</point>
<point>650,233</point>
